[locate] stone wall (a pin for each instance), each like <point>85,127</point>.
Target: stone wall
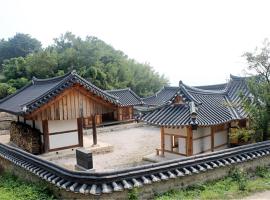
<point>25,137</point>
<point>5,119</point>
<point>144,192</point>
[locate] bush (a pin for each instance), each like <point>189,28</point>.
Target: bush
<point>13,188</point>
<point>262,171</point>
<point>240,177</point>
<point>242,135</point>
<point>133,194</point>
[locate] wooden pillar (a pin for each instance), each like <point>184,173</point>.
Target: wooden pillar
<point>189,141</point>
<point>162,139</point>
<point>212,139</point>
<point>94,129</point>
<point>45,129</point>
<point>80,131</point>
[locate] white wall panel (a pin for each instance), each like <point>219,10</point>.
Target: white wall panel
<point>201,131</point>
<point>176,131</point>
<point>168,142</point>
<point>220,138</point>
<point>38,125</point>
<point>182,145</point>
<point>62,125</point>
<point>63,140</point>
<point>201,145</point>
<point>29,122</point>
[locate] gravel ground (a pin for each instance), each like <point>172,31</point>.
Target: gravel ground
<point>259,196</point>
<point>130,145</point>
<point>4,138</point>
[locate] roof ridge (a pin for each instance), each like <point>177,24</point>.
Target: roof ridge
<point>234,77</point>
<point>116,90</point>
<point>206,92</point>
<point>56,78</point>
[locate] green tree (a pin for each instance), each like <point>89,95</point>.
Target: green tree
<point>92,58</point>
<point>5,90</point>
<point>18,46</point>
<point>259,105</point>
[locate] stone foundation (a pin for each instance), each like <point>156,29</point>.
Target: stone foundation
<point>25,137</point>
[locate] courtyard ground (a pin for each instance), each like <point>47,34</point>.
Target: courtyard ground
<point>129,147</point>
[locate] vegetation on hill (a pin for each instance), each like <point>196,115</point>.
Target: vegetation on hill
<point>92,58</point>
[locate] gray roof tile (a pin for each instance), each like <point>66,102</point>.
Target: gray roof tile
<point>126,97</point>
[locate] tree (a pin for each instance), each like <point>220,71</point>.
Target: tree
<point>92,58</point>
<point>259,85</point>
<point>18,46</point>
<point>6,90</point>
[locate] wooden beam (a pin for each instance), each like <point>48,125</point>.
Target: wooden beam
<point>162,139</point>
<point>80,130</point>
<point>189,141</point>
<point>212,138</point>
<point>46,141</point>
<point>94,127</point>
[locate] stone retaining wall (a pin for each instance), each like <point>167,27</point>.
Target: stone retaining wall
<point>25,137</point>
<point>146,191</point>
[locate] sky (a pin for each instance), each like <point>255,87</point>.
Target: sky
<point>199,42</point>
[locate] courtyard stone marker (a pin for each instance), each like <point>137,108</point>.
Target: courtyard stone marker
<point>84,159</point>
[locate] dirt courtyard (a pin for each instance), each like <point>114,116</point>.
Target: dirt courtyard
<point>130,145</point>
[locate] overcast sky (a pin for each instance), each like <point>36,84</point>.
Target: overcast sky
<point>198,42</point>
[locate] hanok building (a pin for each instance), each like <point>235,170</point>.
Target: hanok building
<point>57,108</point>
<point>194,120</point>
<point>128,99</point>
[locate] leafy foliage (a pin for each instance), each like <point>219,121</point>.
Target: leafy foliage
<point>6,89</point>
<point>240,177</point>
<point>242,135</point>
<point>259,105</point>
<point>92,58</point>
<point>236,185</point>
<point>18,46</point>
<point>12,188</point>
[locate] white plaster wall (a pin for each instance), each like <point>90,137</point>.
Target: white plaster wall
<point>201,131</point>
<point>176,131</point>
<point>182,145</point>
<point>29,122</point>
<point>220,138</point>
<point>21,119</point>
<point>168,142</point>
<point>201,145</point>
<point>63,140</point>
<point>38,125</point>
<point>62,125</point>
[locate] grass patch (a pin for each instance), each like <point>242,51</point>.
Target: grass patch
<point>12,188</point>
<point>237,184</point>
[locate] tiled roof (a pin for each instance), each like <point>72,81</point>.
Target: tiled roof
<point>217,87</point>
<point>126,97</point>
<point>212,106</point>
<point>41,91</point>
<point>162,96</point>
